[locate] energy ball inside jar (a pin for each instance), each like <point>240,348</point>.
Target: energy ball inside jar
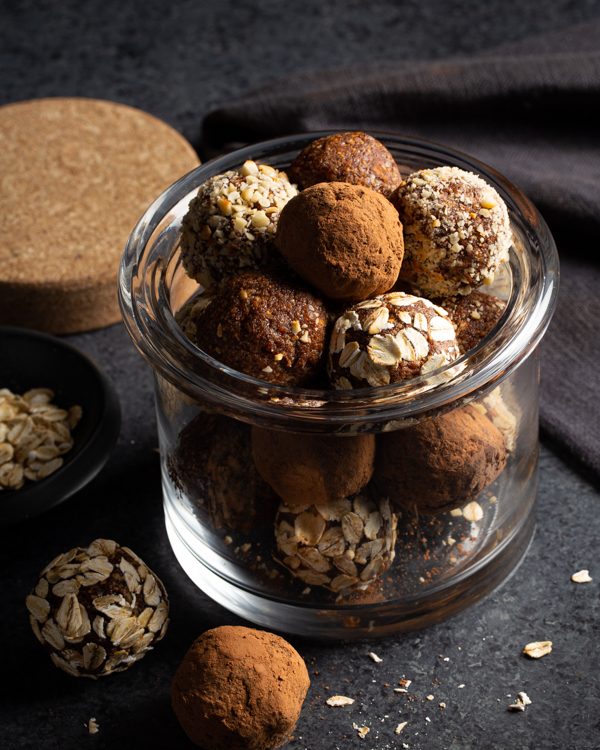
<point>473,316</point>
<point>98,610</point>
<point>230,225</point>
<point>304,468</point>
<point>440,464</point>
<point>390,338</point>
<point>267,326</point>
<point>356,158</point>
<point>342,545</point>
<point>345,240</point>
<point>239,689</point>
<point>456,231</point>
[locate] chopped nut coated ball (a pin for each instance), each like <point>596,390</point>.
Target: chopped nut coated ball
<point>98,610</point>
<point>456,231</point>
<point>473,316</point>
<point>356,158</point>
<point>390,338</point>
<point>230,224</point>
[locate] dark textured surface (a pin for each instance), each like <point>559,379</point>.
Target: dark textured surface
<point>178,62</point>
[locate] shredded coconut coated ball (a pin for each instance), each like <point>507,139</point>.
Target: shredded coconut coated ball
<point>230,225</point>
<point>456,231</point>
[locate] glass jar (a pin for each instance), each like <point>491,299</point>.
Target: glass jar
<point>220,514</point>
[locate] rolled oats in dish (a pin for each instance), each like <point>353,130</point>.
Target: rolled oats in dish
<point>456,231</point>
<point>390,338</point>
<point>231,223</point>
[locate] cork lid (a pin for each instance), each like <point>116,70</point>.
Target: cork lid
<point>76,175</point>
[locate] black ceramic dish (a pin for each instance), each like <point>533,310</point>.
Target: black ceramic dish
<point>29,359</point>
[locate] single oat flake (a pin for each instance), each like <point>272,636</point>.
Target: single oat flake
<point>339,700</point>
<point>93,726</point>
<point>583,576</point>
<point>400,727</point>
<point>375,658</point>
<point>538,649</point>
<point>362,731</point>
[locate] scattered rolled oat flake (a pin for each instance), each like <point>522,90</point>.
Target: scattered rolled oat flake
<point>525,699</point>
<point>518,706</point>
<point>339,700</point>
<point>537,649</point>
<point>375,658</point>
<point>427,718</point>
<point>430,697</point>
<point>446,658</point>
<point>362,731</point>
<point>93,726</point>
<point>400,690</point>
<point>473,511</point>
<point>442,705</point>
<point>460,686</point>
<point>400,727</point>
<point>582,576</point>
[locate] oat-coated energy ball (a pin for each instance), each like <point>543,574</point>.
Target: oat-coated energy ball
<point>304,468</point>
<point>456,231</point>
<point>440,464</point>
<point>98,610</point>
<point>473,316</point>
<point>266,325</point>
<point>345,240</point>
<point>340,545</point>
<point>239,689</point>
<point>390,338</point>
<point>356,158</point>
<point>230,224</point>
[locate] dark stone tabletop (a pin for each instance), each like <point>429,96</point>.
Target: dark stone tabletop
<point>178,60</point>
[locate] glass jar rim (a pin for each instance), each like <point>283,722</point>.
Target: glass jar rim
<point>151,324</point>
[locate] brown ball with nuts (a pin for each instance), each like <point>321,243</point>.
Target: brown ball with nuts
<point>267,326</point>
<point>345,240</point>
<point>239,689</point>
<point>305,469</point>
<point>440,464</point>
<point>356,158</point>
<point>473,316</point>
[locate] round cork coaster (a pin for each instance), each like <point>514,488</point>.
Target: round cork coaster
<point>75,176</point>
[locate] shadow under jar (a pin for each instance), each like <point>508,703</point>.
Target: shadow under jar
<point>220,514</point>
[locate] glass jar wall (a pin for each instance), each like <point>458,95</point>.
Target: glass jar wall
<point>374,562</point>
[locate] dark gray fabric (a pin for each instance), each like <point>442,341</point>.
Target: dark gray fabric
<point>530,110</point>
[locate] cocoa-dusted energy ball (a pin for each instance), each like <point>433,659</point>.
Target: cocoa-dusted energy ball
<point>98,610</point>
<point>212,463</point>
<point>456,231</point>
<point>473,316</point>
<point>304,468</point>
<point>230,224</point>
<point>346,240</point>
<point>390,338</point>
<point>341,545</point>
<point>440,464</point>
<point>356,158</point>
<point>239,689</point>
<point>267,326</point>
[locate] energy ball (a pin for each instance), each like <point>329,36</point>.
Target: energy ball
<point>304,468</point>
<point>345,240</point>
<point>239,689</point>
<point>473,316</point>
<point>212,463</point>
<point>440,464</point>
<point>456,231</point>
<point>356,158</point>
<point>341,545</point>
<point>230,224</point>
<point>98,610</point>
<point>390,338</point>
<point>267,326</point>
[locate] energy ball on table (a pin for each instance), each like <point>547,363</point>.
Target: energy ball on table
<point>212,463</point>
<point>356,158</point>
<point>440,464</point>
<point>390,338</point>
<point>304,468</point>
<point>346,240</point>
<point>267,326</point>
<point>230,224</point>
<point>456,231</point>
<point>98,610</point>
<point>473,316</point>
<point>341,545</point>
<point>239,689</point>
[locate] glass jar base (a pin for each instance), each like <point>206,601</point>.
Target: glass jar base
<point>366,621</point>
